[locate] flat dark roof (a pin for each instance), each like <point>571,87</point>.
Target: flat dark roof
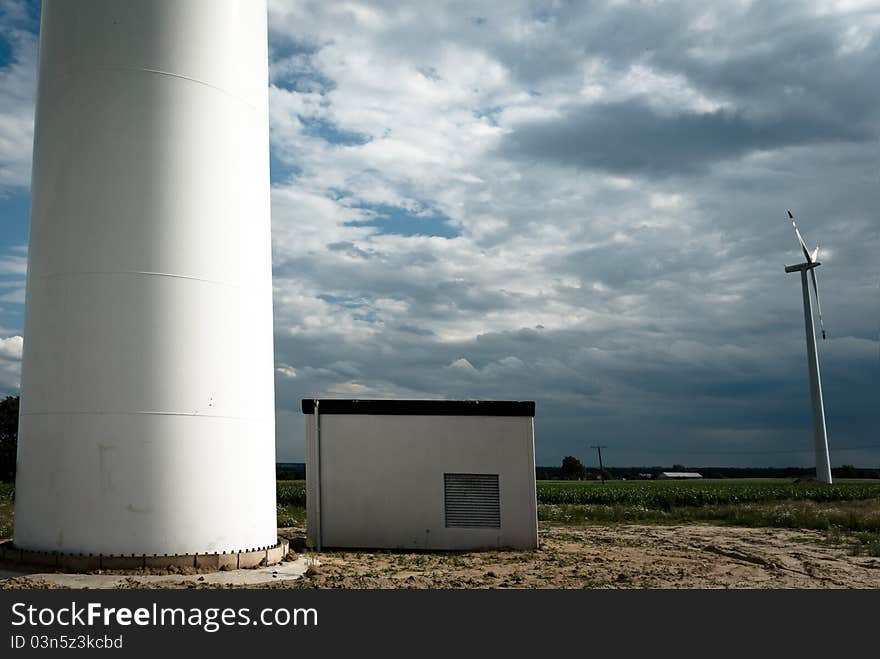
<point>421,407</point>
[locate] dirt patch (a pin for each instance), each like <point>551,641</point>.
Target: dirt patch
<point>27,583</point>
<point>619,556</point>
<point>622,556</point>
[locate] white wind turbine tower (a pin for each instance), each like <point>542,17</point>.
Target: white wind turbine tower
<point>820,435</point>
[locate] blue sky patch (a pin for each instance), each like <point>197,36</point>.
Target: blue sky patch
<point>281,171</point>
<point>293,69</point>
<point>28,20</point>
<point>15,208</point>
<point>15,213</point>
<point>490,113</point>
<point>347,301</point>
<point>6,57</point>
<point>399,221</point>
<point>360,303</point>
<point>281,48</point>
<point>304,82</point>
<point>329,132</point>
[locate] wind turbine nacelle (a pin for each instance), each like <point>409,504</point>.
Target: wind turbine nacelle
<point>802,266</point>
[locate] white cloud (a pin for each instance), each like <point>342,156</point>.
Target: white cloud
<point>10,363</point>
<point>462,365</point>
<point>17,92</point>
<point>285,371</point>
<point>16,296</point>
<point>13,264</point>
<point>11,348</point>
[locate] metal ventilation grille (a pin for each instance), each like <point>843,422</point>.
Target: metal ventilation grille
<point>472,500</point>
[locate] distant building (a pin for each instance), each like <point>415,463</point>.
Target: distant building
<point>678,475</point>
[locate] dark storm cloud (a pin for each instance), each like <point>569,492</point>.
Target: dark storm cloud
<point>631,388</point>
<point>633,138</point>
<point>772,54</point>
<point>792,62</point>
<point>790,74</point>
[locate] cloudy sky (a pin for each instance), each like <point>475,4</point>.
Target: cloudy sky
<point>577,203</point>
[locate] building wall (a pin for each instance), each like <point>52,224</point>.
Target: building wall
<point>381,479</point>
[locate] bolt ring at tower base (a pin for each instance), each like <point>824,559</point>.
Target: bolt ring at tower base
<point>199,562</point>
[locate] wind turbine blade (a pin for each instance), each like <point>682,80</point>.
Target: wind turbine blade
<point>815,255</point>
<point>800,239</point>
<point>818,306</point>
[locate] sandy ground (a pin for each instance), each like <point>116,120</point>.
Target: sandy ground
<point>624,556</point>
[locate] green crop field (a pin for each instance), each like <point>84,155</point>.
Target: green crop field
<point>291,493</point>
<point>666,494</point>
<point>663,495</point>
<point>848,511</point>
<point>291,501</point>
<point>6,494</point>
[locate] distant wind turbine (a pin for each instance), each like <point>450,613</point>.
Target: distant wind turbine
<point>820,435</point>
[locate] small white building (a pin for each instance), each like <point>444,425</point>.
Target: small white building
<point>420,474</point>
<point>678,475</point>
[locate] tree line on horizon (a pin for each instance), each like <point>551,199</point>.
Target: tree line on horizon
<point>8,437</point>
<point>573,469</point>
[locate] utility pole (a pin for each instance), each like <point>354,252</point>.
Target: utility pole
<point>601,468</point>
